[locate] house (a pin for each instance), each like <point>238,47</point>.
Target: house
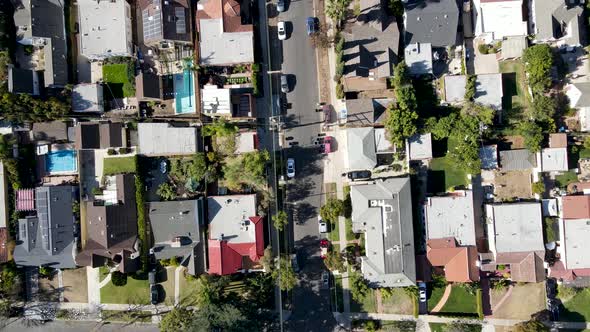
<point>420,146</point>
<point>88,98</point>
<point>554,160</point>
<point>166,22</point>
<point>488,90</point>
<point>164,139</point>
<point>105,28</point>
<point>225,33</point>
<point>418,58</point>
<point>227,102</point>
<point>560,22</point>
<point>579,96</point>
<point>431,21</point>
<point>49,238</point>
<point>370,48</point>
<point>361,148</point>
<point>246,141</point>
<point>177,230</point>
<point>451,216</point>
<point>41,24</point>
<point>488,154</point>
<point>521,159</point>
<point>24,81</point>
<point>496,19</point>
<point>364,112</point>
<point>456,263</point>
<point>151,87</point>
<point>111,225</point>
<point>382,144</point>
<point>236,234</point>
<point>382,211</point>
<point>515,238</point>
<point>99,135</point>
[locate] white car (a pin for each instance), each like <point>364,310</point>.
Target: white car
<point>323,226</point>
<point>282,30</point>
<point>291,168</point>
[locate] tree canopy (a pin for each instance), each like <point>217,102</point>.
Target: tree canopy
<point>532,134</point>
<point>401,119</point>
<point>358,286</point>
<point>332,210</point>
<point>284,274</point>
<point>281,220</point>
<point>538,60</point>
<point>166,192</point>
<point>246,169</point>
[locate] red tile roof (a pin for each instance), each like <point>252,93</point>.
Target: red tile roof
<point>458,262</point>
<point>576,207</point>
<point>558,140</point>
<point>226,257</point>
<point>227,10</point>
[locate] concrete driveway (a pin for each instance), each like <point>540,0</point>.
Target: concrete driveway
<point>482,63</point>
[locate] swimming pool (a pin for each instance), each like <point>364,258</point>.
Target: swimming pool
<point>184,91</point>
<point>62,161</point>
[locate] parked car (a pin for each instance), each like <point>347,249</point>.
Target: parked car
<point>163,166</point>
<point>294,263</point>
<point>322,225</point>
<point>284,84</point>
<point>154,294</point>
<point>324,248</point>
<point>359,175</point>
<point>152,277</point>
<point>327,114</point>
<point>327,144</point>
<point>281,6</point>
<point>291,168</point>
<point>422,291</point>
<point>282,31</point>
<point>325,280</point>
<point>312,25</point>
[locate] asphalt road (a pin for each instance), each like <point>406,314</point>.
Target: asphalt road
<point>75,326</point>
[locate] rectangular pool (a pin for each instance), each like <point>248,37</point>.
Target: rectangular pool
<point>184,91</point>
<point>62,161</point>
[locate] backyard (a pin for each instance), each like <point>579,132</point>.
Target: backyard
<point>566,178</point>
<point>443,173</point>
<point>515,98</point>
<point>577,308</point>
<point>118,165</point>
<point>136,291</point>
<point>119,78</point>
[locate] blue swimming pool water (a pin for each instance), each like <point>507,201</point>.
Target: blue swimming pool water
<point>184,92</point>
<point>61,161</point>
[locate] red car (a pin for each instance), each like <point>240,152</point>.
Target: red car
<point>327,144</point>
<point>324,247</point>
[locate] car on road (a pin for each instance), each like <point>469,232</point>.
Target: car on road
<point>322,225</point>
<point>312,25</point>
<point>152,277</point>
<point>325,280</point>
<point>359,175</point>
<point>163,166</point>
<point>327,144</point>
<point>467,54</point>
<point>290,168</point>
<point>422,291</point>
<point>154,294</point>
<point>324,248</point>
<point>284,84</point>
<point>281,6</point>
<point>282,31</point>
<point>327,114</point>
<point>294,263</point>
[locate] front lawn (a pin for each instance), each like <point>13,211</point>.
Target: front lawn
<point>187,287</point>
<point>578,308</point>
<point>334,234</point>
<point>336,293</point>
<point>398,303</point>
<point>119,78</point>
<point>369,303</point>
<point>118,165</point>
<point>460,301</point>
<point>134,292</point>
<point>435,296</point>
<point>441,327</point>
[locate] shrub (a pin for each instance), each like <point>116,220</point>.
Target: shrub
<point>339,90</point>
<point>111,152</point>
<point>254,78</point>
<point>538,188</point>
<point>479,300</point>
<point>396,167</point>
<point>119,279</point>
<point>483,48</point>
<point>96,191</point>
<point>174,261</point>
<point>141,222</point>
<point>566,293</point>
<point>124,150</point>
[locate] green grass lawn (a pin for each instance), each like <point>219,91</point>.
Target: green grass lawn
<point>168,285</point>
<point>134,292</point>
<point>337,293</point>
<point>127,316</point>
<point>514,84</point>
<point>350,235</point>
<point>334,234</point>
<point>440,327</point>
<point>566,178</point>
<point>460,301</point>
<point>443,174</point>
<point>435,296</point>
<point>103,272</point>
<point>118,165</point>
<point>369,303</point>
<point>120,78</point>
<point>188,287</point>
<point>578,308</point>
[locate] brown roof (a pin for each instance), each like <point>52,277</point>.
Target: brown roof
<point>558,140</point>
<point>3,245</point>
<point>94,135</point>
<point>50,131</point>
<point>458,262</point>
<point>524,266</point>
<point>576,207</point>
<point>228,10</point>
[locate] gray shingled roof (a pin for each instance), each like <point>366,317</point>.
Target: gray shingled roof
<point>366,111</point>
<point>584,89</point>
<point>431,21</point>
<point>383,211</point>
<point>361,148</point>
<point>513,160</point>
<point>551,14</point>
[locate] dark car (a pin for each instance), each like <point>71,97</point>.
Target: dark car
<point>152,277</point>
<point>327,114</point>
<point>154,294</point>
<point>359,175</point>
<point>312,25</point>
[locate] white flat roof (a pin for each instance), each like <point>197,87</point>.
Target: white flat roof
<point>222,48</point>
<point>577,233</point>
<point>455,88</point>
<point>419,58</point>
<point>105,28</point>
<point>451,216</point>
<point>162,139</point>
<point>554,159</point>
<point>420,146</point>
<point>216,100</point>
<point>229,216</point>
<point>518,227</point>
<point>87,97</point>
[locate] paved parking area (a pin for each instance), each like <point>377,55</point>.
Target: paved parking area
<point>484,63</point>
<point>578,66</point>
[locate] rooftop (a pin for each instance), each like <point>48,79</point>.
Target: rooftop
<point>420,146</point>
<point>418,58</point>
<point>489,156</point>
<point>576,207</point>
<point>501,19</point>
<point>164,20</point>
<point>579,94</point>
<point>451,216</point>
<point>99,135</point>
<point>431,21</point>
<point>577,233</point>
<point>52,131</point>
<point>455,88</point>
<point>88,97</point>
<point>513,47</point>
<point>163,139</point>
<point>488,90</point>
<point>105,28</point>
<point>459,262</point>
<point>246,142</point>
<point>555,19</point>
<point>558,140</point>
<point>517,227</point>
<point>361,148</point>
<point>554,159</point>
<point>512,160</point>
<point>366,111</point>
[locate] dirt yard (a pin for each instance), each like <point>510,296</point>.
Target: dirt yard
<point>511,184</point>
<point>76,285</point>
<point>49,289</point>
<point>398,303</point>
<point>497,295</point>
<point>515,308</point>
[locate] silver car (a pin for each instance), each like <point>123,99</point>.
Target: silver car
<point>290,168</point>
<point>281,6</point>
<point>284,84</point>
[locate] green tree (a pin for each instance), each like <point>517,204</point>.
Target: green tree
<point>538,187</point>
<point>358,286</point>
<point>543,108</point>
<point>466,156</point>
<point>210,289</point>
<point>284,274</point>
<point>220,127</point>
<point>587,142</point>
<point>470,88</point>
<point>532,134</point>
<point>336,10</point>
<point>441,128</point>
<point>332,210</point>
<point>334,261</point>
<point>281,220</point>
<point>401,75</point>
<point>267,259</point>
<point>400,124</point>
<point>177,319</point>
<point>246,169</point>
<point>396,8</point>
<point>260,289</point>
<point>166,192</point>
<point>118,278</point>
<point>538,60</point>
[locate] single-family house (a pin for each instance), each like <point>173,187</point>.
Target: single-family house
<point>105,28</point>
<point>488,154</point>
<point>40,24</point>
<point>418,58</point>
<point>456,263</point>
<point>370,48</point>
<point>431,21</point>
<point>382,211</point>
<point>164,139</point>
<point>152,87</point>
<point>361,148</point>
<point>560,22</point>
<point>451,216</point>
<point>515,238</point>
<point>227,102</point>
<point>111,224</point>
<point>236,234</point>
<point>366,112</point>
<point>554,160</point>
<point>99,135</point>
<point>420,146</point>
<point>579,96</point>
<point>177,230</point>
<point>488,90</point>
<point>49,237</point>
<point>166,22</point>
<point>24,81</point>
<point>88,98</point>
<point>225,33</point>
<point>497,19</point>
<point>520,159</point>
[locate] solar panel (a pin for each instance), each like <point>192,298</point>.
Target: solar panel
<point>152,24</point>
<point>180,20</point>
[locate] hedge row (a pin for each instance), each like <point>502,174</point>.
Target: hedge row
<point>141,220</point>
